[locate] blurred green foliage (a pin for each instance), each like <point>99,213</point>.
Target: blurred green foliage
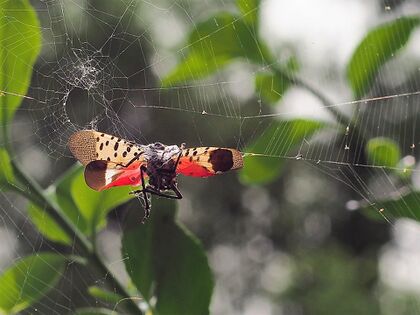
<point>383,152</point>
<point>270,87</point>
<point>249,11</point>
<point>281,136</point>
<point>85,207</point>
<point>379,46</point>
<point>95,311</point>
<point>402,205</point>
<point>215,43</point>
<point>104,295</point>
<point>332,282</point>
<point>168,263</point>
<point>6,173</point>
<point>19,27</point>
<point>28,280</point>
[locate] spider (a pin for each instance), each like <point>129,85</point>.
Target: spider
<point>161,170</point>
<point>112,161</point>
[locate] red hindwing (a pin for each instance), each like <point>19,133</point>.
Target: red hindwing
<point>208,161</point>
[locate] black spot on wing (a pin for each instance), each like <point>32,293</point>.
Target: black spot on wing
<point>221,160</point>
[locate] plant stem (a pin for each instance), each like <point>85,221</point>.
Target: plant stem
<point>35,194</point>
<point>340,117</point>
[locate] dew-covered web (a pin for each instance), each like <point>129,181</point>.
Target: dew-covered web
<point>101,66</point>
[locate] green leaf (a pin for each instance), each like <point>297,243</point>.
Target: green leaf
<point>402,206</point>
<point>64,198</point>
<point>94,205</point>
<point>86,208</point>
<point>47,226</point>
<point>249,9</point>
<point>164,260</point>
<point>28,280</point>
<point>95,311</point>
<point>60,193</point>
<point>383,152</point>
<point>104,295</point>
<point>194,66</point>
<point>376,48</point>
<point>20,43</point>
<point>6,170</point>
<point>213,44</point>
<point>287,135</point>
<point>271,87</point>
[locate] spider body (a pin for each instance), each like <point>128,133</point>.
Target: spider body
<point>161,178</point>
<point>160,166</point>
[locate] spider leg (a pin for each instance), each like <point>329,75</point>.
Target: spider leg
<point>174,189</point>
<point>177,162</point>
<point>135,158</point>
<point>144,191</point>
<point>156,192</point>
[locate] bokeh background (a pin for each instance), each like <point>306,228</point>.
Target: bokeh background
<point>297,245</point>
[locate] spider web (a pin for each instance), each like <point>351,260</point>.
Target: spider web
<point>101,67</point>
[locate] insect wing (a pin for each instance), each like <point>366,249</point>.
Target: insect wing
<point>91,145</point>
<point>208,161</point>
<point>101,175</point>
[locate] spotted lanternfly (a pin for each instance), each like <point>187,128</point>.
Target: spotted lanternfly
<point>111,161</point>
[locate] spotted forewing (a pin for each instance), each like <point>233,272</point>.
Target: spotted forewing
<point>90,145</point>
